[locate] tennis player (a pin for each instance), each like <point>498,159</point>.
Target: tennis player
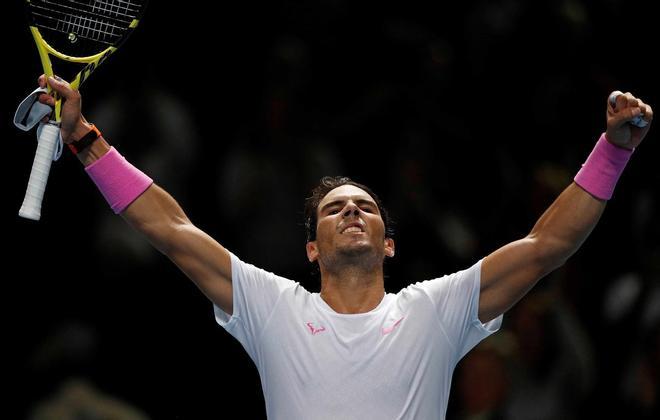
<point>354,351</point>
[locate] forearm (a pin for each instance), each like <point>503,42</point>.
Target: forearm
<point>566,224</point>
<point>512,270</point>
<point>562,229</point>
<point>157,215</point>
<point>154,213</point>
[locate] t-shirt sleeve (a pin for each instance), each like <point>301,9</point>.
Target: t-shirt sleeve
<point>254,294</point>
<point>456,300</point>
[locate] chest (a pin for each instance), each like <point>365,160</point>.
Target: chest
<point>391,351</point>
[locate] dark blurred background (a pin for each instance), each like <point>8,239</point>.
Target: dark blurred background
<point>467,119</point>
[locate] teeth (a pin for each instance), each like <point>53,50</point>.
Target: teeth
<point>352,229</point>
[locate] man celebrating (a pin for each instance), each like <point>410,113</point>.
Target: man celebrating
<point>354,351</point>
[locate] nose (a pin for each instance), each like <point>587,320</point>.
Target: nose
<point>351,208</point>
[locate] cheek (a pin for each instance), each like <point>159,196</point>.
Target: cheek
<point>377,225</point>
<point>324,228</point>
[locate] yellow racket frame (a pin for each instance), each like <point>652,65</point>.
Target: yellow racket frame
<point>92,61</point>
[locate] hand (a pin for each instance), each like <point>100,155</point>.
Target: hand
<point>73,125</point>
<point>626,107</point>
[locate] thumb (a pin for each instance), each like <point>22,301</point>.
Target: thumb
<point>612,99</point>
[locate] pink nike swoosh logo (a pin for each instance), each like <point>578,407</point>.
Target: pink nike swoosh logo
<point>313,329</point>
<point>390,329</point>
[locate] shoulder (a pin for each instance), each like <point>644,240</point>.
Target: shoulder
<point>446,284</point>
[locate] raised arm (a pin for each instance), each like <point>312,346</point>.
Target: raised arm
<point>511,271</point>
<point>154,213</point>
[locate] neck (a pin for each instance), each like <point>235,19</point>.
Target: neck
<point>352,290</point>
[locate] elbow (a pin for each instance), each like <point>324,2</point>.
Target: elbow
<point>164,235</point>
<point>550,254</point>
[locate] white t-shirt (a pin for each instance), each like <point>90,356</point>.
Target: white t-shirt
<point>394,362</point>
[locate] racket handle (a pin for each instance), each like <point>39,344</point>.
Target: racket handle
<point>43,158</point>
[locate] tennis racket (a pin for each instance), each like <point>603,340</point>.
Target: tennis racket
<point>79,33</point>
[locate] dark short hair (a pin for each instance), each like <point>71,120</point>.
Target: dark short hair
<point>327,184</point>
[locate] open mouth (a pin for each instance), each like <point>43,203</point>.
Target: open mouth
<point>352,229</point>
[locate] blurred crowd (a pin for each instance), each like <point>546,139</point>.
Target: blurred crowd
<point>467,123</point>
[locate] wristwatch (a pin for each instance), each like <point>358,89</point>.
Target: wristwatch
<point>85,141</point>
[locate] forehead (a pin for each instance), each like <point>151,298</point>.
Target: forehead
<point>344,193</point>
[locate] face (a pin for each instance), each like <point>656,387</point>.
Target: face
<point>349,229</point>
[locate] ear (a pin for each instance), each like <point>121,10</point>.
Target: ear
<point>312,251</point>
<point>389,247</point>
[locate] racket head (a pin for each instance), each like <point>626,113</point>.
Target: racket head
<point>83,32</point>
<point>83,28</point>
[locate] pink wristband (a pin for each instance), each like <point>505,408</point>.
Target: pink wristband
<point>601,171</point>
<point>119,181</point>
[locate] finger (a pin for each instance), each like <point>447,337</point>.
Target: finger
<point>47,99</point>
<point>629,114</point>
<point>613,98</point>
<point>62,87</point>
<point>642,106</point>
<point>631,101</point>
<point>648,114</point>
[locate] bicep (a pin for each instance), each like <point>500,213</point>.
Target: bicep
<point>205,262</point>
<point>508,274</point>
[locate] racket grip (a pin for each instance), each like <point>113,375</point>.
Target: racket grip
<point>43,158</point>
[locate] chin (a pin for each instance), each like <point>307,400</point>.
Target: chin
<point>356,250</point>
<point>355,255</point>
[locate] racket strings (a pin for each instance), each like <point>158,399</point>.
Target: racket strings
<point>104,21</point>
